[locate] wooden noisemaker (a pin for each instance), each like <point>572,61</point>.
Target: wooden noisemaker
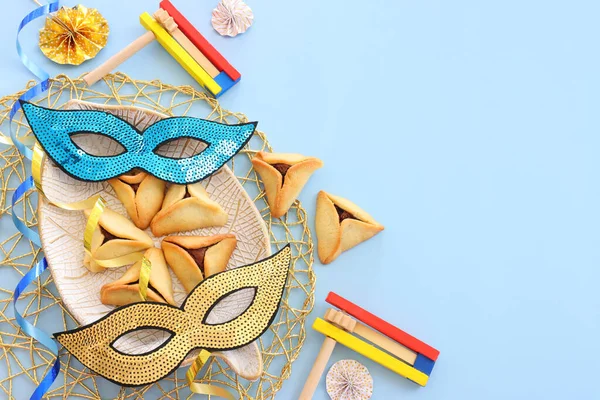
<point>165,30</point>
<point>384,343</point>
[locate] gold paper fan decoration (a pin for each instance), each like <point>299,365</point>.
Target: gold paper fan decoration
<point>73,35</point>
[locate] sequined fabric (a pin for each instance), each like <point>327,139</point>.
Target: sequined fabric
<point>92,344</point>
<point>53,130</point>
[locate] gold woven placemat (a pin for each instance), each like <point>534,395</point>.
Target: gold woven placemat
<point>23,362</point>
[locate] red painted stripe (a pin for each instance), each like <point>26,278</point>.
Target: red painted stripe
<point>382,326</point>
<point>199,41</point>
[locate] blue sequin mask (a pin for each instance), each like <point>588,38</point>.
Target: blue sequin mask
<point>54,128</point>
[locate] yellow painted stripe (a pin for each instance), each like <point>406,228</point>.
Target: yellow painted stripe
<point>371,352</point>
<point>178,53</point>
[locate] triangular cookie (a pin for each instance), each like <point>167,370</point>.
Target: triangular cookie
<point>187,207</point>
<point>142,195</point>
<point>115,236</point>
<point>284,175</point>
<point>341,225</point>
<point>125,290</point>
<point>193,258</point>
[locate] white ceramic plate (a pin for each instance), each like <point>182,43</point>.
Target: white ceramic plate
<point>62,238</point>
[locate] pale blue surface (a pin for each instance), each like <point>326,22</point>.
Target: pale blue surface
<point>469,129</point>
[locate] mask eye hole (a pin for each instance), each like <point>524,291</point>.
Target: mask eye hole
<point>230,306</point>
<point>182,147</point>
<point>136,342</point>
<point>97,144</point>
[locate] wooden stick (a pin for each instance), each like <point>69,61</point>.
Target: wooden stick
<point>375,337</point>
<point>317,370</point>
<point>403,353</point>
<point>345,322</point>
<point>119,58</point>
<point>195,53</point>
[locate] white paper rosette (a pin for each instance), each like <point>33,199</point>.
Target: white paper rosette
<point>349,380</point>
<point>232,17</point>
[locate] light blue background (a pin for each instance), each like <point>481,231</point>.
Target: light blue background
<point>468,128</point>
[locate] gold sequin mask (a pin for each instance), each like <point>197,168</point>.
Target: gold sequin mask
<point>93,344</point>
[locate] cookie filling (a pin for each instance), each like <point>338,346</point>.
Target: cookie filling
<point>343,214</point>
<point>198,256</point>
<point>107,235</point>
<point>150,287</point>
<point>283,169</point>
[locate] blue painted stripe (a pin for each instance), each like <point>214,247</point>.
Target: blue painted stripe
<point>225,82</point>
<point>424,364</point>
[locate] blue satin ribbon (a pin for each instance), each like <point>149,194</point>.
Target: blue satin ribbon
<point>34,332</point>
<point>20,191</point>
<point>42,75</point>
<point>24,187</point>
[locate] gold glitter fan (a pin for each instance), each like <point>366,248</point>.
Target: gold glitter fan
<point>73,35</point>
